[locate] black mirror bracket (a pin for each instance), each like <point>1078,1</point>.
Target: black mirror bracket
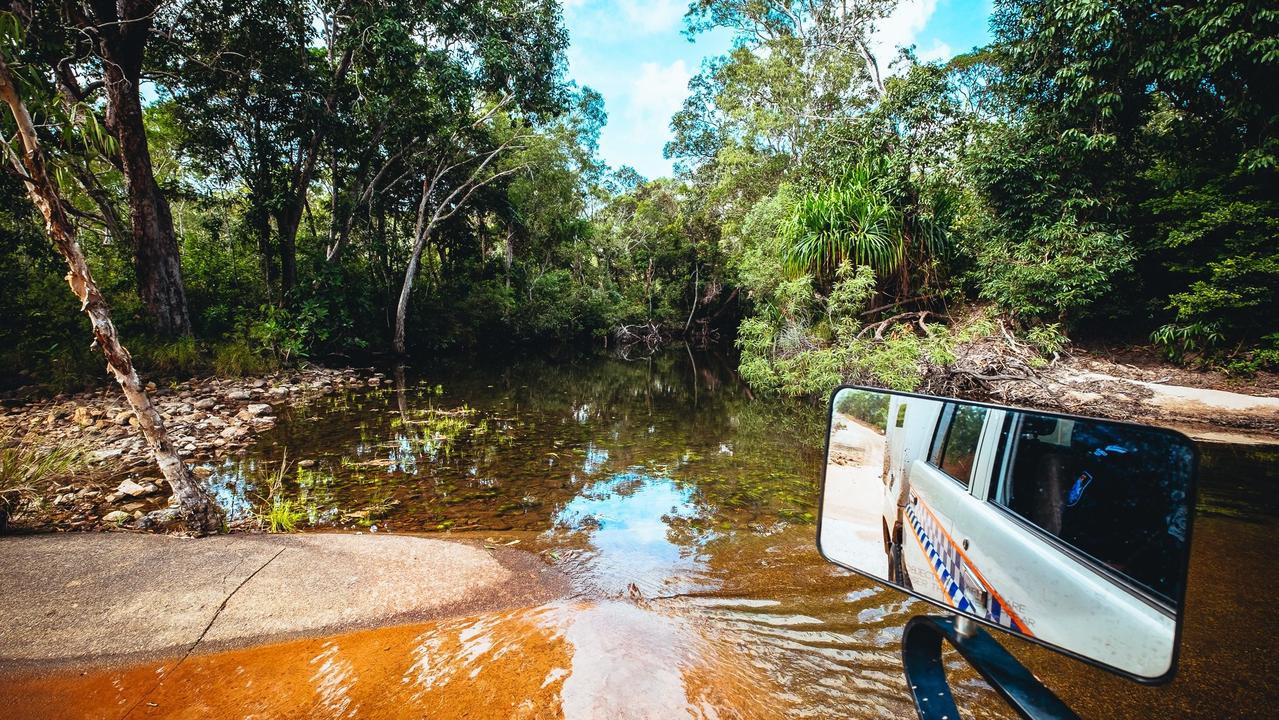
<point>926,675</point>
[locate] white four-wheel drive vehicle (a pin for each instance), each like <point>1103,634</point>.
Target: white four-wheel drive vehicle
<point>1011,516</point>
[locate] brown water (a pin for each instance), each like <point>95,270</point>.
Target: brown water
<point>681,510</point>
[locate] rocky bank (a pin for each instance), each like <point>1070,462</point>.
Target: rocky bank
<point>208,419</point>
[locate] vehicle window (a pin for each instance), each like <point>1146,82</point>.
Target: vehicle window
<point>1073,478</point>
<point>962,425</point>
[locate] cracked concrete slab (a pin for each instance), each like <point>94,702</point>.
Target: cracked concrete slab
<point>87,599</point>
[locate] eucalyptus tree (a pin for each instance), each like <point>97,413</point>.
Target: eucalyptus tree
<point>795,66</point>
<point>283,94</point>
<point>253,89</point>
<point>98,53</point>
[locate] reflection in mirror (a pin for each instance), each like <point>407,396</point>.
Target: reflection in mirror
<point>1069,531</point>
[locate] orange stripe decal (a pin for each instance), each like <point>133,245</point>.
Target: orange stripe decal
<point>968,563</point>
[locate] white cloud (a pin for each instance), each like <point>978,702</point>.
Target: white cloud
<point>937,51</point>
<point>654,15</point>
<point>658,92</point>
<point>640,117</point>
<point>631,17</point>
<point>901,29</point>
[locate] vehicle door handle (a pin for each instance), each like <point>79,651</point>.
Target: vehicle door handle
<point>975,590</point>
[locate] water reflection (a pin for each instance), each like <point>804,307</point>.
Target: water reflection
<point>452,449</point>
<point>629,519</point>
<point>682,512</point>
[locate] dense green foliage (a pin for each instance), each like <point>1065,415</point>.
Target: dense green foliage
<point>1103,169</point>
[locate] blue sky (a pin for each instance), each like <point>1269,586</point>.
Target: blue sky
<point>633,53</point>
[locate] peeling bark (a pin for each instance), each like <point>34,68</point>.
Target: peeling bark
<point>193,508</point>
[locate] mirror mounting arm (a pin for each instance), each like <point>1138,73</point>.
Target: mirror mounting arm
<point>926,675</point>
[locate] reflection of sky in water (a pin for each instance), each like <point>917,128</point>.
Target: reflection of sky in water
<point>595,457</point>
<point>230,487</point>
<point>627,517</point>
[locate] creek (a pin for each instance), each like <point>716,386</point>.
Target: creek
<point>681,510</point>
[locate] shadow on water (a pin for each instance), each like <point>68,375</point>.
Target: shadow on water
<point>681,510</point>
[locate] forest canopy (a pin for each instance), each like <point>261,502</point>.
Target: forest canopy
<point>257,182</point>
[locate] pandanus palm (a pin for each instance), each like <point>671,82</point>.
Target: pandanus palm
<point>854,221</point>
<point>849,221</point>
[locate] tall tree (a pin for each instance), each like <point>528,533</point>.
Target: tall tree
<point>1136,173</point>
<point>109,41</point>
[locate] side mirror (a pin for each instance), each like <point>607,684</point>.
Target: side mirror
<point>1070,532</point>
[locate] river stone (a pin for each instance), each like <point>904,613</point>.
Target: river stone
<point>306,463</point>
<point>239,395</point>
<point>115,516</point>
<point>130,488</point>
<point>259,409</point>
<point>106,454</point>
<point>81,416</point>
<point>205,404</point>
<point>123,417</point>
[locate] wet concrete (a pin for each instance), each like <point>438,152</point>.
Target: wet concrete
<point>103,598</point>
<point>575,660</point>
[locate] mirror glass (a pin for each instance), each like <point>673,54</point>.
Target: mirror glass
<point>1070,531</point>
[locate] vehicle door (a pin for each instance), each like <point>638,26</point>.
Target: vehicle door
<point>939,491</point>
<point>1024,569</point>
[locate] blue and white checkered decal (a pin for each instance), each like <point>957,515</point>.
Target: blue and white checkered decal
<point>947,564</point>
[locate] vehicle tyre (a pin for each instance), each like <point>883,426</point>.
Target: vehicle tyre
<point>896,565</point>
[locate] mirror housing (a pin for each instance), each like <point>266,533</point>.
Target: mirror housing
<point>1071,532</point>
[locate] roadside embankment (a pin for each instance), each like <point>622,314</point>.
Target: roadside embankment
<point>90,599</point>
<point>1206,405</point>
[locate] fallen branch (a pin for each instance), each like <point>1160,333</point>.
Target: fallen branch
<point>882,325</point>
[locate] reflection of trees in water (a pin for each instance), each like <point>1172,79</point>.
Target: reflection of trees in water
<point>505,448</point>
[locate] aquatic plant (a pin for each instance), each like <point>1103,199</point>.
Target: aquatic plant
<point>282,514</point>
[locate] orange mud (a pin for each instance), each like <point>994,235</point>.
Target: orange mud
<point>584,660</point>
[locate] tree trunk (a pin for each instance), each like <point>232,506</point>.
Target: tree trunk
<point>260,219</point>
<point>193,507</point>
<point>122,38</point>
<point>402,307</point>
<point>287,224</point>
<point>290,219</point>
<point>508,251</point>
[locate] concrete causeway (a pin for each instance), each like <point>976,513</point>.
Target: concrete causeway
<point>102,598</point>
